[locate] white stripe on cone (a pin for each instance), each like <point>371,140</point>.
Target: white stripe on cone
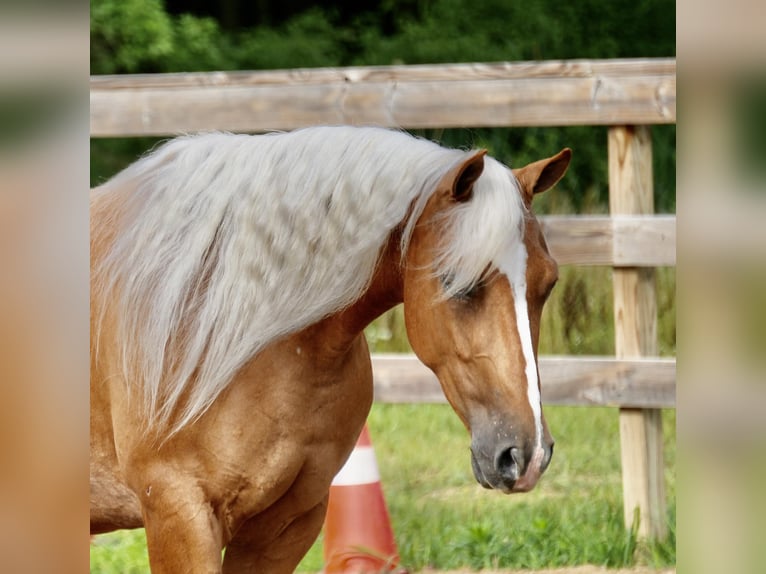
<point>360,468</point>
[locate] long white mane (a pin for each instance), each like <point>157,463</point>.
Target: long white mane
<point>225,243</point>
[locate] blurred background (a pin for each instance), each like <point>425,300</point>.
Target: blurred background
<point>47,53</point>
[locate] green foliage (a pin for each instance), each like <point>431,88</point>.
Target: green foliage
<point>310,39</point>
<point>108,156</point>
<point>200,46</point>
<point>488,30</point>
<point>578,319</point>
<point>666,311</point>
<point>132,36</point>
<point>129,35</point>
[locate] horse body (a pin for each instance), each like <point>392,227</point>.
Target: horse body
<point>259,460</point>
<point>250,469</point>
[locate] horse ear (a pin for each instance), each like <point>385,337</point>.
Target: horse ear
<point>467,174</point>
<point>543,174</point>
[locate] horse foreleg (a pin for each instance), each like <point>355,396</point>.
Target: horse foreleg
<point>182,532</point>
<point>260,547</point>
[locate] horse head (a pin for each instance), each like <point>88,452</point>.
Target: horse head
<point>479,332</point>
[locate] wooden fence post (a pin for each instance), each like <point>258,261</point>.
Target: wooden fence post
<point>635,316</point>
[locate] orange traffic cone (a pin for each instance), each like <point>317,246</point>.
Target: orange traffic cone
<point>358,535</point>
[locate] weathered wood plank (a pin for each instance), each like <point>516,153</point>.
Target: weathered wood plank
<point>474,95</point>
<point>622,241</point>
<point>409,73</point>
<point>605,381</point>
<point>635,316</point>
<point>569,381</point>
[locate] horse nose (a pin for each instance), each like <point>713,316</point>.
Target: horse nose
<point>510,463</point>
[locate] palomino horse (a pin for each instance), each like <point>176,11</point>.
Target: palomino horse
<point>232,277</point>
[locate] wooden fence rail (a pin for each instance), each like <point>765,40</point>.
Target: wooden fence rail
<point>585,92</point>
<point>626,95</point>
<point>567,381</point>
<point>618,241</point>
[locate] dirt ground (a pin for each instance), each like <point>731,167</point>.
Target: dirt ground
<point>575,570</point>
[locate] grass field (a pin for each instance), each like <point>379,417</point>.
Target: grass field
<point>443,519</point>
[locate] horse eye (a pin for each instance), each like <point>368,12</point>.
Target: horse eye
<point>463,294</point>
<point>467,293</point>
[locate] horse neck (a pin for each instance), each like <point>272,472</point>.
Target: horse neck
<point>383,293</point>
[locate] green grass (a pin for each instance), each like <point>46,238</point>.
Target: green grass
<point>443,519</point>
<point>120,552</point>
<point>578,319</point>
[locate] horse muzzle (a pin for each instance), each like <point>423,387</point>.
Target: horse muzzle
<point>509,467</point>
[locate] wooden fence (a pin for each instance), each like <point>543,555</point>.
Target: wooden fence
<point>626,95</point>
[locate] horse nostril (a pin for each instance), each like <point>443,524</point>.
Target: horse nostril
<point>548,456</point>
<point>510,463</point>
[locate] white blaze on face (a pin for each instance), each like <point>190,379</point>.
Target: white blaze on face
<point>514,266</point>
